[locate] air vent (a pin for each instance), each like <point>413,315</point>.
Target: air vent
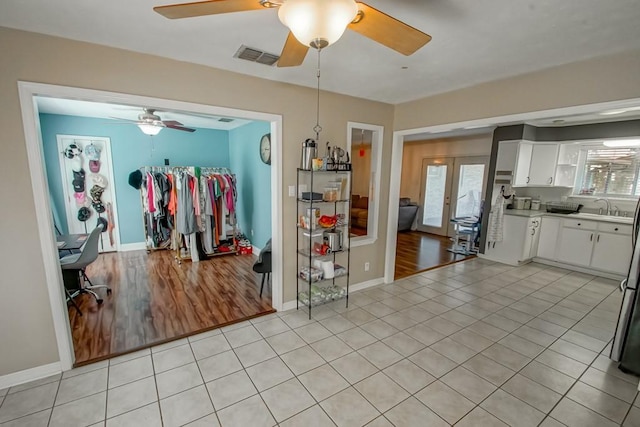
<point>225,120</point>
<point>256,55</point>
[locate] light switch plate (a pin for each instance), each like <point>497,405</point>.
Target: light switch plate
<point>292,191</point>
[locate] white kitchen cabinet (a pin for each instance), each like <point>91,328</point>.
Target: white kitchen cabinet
<point>576,246</point>
<point>507,156</point>
<point>543,164</point>
<point>523,164</point>
<point>612,252</point>
<point>534,233</point>
<point>567,165</point>
<point>549,232</point>
<point>536,164</point>
<point>599,246</point>
<point>520,241</point>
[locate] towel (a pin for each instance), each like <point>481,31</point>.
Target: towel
<point>496,218</point>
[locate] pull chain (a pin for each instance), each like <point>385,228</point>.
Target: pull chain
<point>317,128</point>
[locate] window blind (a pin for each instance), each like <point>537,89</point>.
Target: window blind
<point>611,171</point>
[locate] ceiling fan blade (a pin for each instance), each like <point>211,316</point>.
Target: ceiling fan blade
<point>210,7</point>
<point>171,123</point>
<point>177,127</point>
<point>389,31</point>
<point>293,53</point>
<point>124,120</point>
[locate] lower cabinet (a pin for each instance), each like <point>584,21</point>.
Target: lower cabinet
<point>576,246</point>
<point>612,252</point>
<point>549,232</point>
<point>601,246</point>
<point>520,241</point>
<point>594,245</point>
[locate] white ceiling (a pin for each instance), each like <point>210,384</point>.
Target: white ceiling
<point>72,107</point>
<point>473,41</point>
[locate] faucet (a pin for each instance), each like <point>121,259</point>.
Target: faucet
<point>608,205</point>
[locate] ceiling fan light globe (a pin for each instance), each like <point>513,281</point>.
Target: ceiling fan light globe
<point>149,129</point>
<point>317,23</point>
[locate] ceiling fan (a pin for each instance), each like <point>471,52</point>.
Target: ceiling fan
<point>151,124</point>
<point>314,23</point>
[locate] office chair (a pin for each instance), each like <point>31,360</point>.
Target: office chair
<point>263,264</point>
<point>79,262</point>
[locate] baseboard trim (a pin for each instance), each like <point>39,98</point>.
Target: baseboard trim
<point>28,375</point>
<point>128,247</point>
<point>290,305</point>
<point>368,284</point>
<point>256,250</point>
<point>585,270</point>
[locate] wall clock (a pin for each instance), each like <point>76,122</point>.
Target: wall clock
<point>265,149</point>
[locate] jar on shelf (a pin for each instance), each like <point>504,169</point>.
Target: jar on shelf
<point>330,194</point>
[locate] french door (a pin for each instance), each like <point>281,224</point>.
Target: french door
<point>451,188</point>
<point>435,195</point>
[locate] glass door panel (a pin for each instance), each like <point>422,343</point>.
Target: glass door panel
<point>470,187</point>
<point>469,178</point>
<point>435,195</point>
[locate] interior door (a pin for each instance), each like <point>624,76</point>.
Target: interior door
<point>435,196</point>
<point>468,189</point>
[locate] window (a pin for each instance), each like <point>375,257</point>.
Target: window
<point>610,172</point>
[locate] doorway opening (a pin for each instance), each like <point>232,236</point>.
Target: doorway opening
<point>130,264</point>
<point>441,203</point>
<point>581,114</point>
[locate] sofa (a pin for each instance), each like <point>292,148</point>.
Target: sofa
<point>359,211</point>
<point>407,212</point>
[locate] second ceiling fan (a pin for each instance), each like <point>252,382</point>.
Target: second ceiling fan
<point>303,17</point>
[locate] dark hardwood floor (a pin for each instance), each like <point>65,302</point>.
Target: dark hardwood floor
<point>417,251</point>
<point>155,300</point>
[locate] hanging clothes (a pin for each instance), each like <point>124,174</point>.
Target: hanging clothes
<point>190,208</point>
<point>185,214</point>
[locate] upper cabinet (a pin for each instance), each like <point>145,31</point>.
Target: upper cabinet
<point>567,165</point>
<point>536,165</point>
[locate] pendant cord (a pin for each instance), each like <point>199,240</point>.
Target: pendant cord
<point>317,128</point>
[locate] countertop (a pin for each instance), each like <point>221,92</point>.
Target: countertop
<point>524,212</point>
<point>584,216</point>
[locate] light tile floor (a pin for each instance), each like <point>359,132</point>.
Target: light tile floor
<point>471,344</point>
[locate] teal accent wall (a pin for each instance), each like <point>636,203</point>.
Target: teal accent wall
<point>130,149</point>
<point>254,181</point>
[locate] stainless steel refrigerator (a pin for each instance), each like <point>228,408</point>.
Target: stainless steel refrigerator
<point>626,342</point>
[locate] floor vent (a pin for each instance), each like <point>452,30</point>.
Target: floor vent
<point>256,55</point>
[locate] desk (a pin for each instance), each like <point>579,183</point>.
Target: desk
<point>69,242</point>
<point>467,229</point>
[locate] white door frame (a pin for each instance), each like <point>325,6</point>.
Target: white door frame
<point>398,147</point>
<point>33,142</point>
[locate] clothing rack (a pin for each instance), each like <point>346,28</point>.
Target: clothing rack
<point>207,226</point>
